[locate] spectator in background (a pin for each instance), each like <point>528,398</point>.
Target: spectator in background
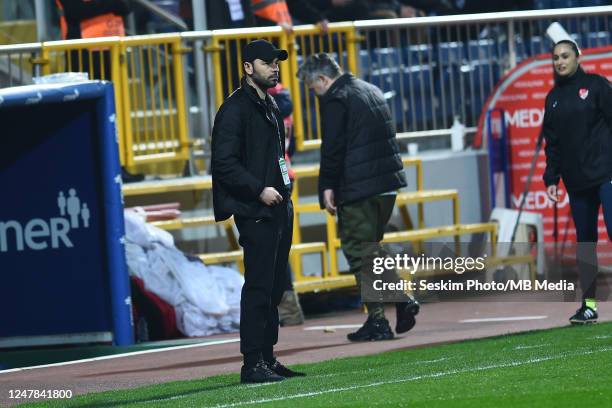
<point>222,14</point>
<point>321,12</point>
<point>271,12</point>
<point>360,172</point>
<point>92,18</point>
<point>492,6</point>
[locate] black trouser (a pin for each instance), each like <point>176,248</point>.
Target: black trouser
<point>266,243</point>
<point>585,212</point>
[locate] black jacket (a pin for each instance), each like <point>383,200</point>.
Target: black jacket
<point>578,131</point>
<point>359,152</point>
<point>247,141</point>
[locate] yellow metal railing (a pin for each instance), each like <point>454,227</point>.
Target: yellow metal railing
<point>150,88</point>
<point>147,73</point>
<point>332,241</point>
<point>153,95</point>
<point>99,58</point>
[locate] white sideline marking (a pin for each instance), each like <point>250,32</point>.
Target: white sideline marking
<point>134,353</point>
<point>402,380</point>
<point>345,373</point>
<point>503,319</point>
<point>337,326</point>
<point>530,347</point>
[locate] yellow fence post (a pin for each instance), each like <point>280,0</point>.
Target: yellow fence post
<point>294,88</point>
<point>215,48</point>
<point>351,50</point>
<point>122,102</point>
<point>179,86</point>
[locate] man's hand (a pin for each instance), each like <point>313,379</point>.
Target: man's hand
<point>287,27</point>
<point>553,193</point>
<point>407,12</point>
<point>269,196</point>
<point>324,26</point>
<point>329,201</point>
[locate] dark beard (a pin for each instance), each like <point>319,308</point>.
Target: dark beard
<point>263,83</point>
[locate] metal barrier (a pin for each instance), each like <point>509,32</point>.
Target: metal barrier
<point>18,64</point>
<point>431,70</point>
<point>153,95</point>
<point>99,58</point>
<point>148,74</point>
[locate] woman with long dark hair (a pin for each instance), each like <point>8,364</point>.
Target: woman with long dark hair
<point>578,132</point>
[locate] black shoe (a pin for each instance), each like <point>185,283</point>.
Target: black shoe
<point>128,177</point>
<point>405,313</point>
<point>584,315</point>
<point>259,373</point>
<point>372,330</point>
<point>283,371</point>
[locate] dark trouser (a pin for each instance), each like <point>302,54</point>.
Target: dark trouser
<point>266,245</point>
<point>585,211</point>
<point>362,223</point>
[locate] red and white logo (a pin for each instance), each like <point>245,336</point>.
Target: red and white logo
<point>583,93</point>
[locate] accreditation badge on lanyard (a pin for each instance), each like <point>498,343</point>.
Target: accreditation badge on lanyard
<point>281,160</point>
<point>284,171</point>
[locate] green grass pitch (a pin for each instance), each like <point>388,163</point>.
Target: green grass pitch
<point>565,367</point>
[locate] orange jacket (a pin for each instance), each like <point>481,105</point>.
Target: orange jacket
<point>273,10</point>
<point>105,24</point>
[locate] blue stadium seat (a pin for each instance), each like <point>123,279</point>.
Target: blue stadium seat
<point>385,58</point>
<point>418,54</point>
<point>365,63</point>
<point>539,45</point>
<point>417,97</point>
<point>408,93</point>
<point>479,79</point>
<point>451,53</point>
<point>597,39</point>
<point>481,49</point>
<point>448,92</point>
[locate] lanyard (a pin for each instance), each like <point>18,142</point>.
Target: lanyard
<point>272,117</point>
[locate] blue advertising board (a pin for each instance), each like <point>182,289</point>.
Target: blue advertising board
<point>62,261</point>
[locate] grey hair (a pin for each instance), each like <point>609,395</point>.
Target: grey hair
<point>317,65</point>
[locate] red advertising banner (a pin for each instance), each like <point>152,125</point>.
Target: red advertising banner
<point>520,95</point>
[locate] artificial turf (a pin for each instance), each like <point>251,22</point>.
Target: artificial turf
<point>565,367</point>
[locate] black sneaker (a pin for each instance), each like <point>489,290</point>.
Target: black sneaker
<point>584,315</point>
<point>405,313</point>
<point>259,373</point>
<point>283,371</point>
<point>372,330</point>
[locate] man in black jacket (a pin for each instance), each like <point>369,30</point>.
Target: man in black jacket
<point>361,169</point>
<point>251,182</point>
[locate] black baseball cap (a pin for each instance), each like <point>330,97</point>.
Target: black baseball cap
<point>264,50</point>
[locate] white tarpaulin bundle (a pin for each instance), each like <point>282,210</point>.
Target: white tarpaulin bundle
<point>206,298</point>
